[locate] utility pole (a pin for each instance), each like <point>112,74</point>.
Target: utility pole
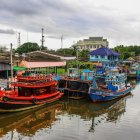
<point>77,57</point>
<point>19,39</point>
<point>61,41</point>
<point>11,55</point>
<point>42,40</point>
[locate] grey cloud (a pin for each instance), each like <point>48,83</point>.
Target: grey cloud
<point>33,14</point>
<point>18,7</point>
<point>7,31</point>
<point>70,18</point>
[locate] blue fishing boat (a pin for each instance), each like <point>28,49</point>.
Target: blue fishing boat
<point>138,74</point>
<point>134,68</point>
<point>113,86</point>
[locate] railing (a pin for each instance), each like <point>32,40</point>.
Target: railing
<point>36,83</point>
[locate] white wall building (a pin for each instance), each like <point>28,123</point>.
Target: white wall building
<point>92,43</point>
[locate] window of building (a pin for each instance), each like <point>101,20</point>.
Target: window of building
<point>102,56</point>
<point>96,56</point>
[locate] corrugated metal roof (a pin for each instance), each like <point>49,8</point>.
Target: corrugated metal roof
<point>27,64</point>
<point>104,51</point>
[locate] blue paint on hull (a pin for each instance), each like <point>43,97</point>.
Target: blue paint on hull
<point>102,96</point>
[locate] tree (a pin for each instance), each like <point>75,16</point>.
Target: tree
<point>27,47</point>
<point>3,49</point>
<point>127,51</point>
<point>66,52</point>
<point>83,55</point>
<point>44,48</point>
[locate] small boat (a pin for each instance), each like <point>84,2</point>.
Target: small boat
<point>115,86</point>
<point>74,85</point>
<point>133,70</point>
<point>29,92</point>
<point>138,74</point>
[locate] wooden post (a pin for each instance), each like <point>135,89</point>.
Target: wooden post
<point>56,70</point>
<point>7,74</point>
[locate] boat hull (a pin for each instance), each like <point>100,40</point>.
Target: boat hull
<point>74,89</point>
<point>132,75</point>
<point>101,97</point>
<point>11,106</point>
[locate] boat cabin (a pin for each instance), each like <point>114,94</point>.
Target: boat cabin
<point>34,85</point>
<point>87,74</point>
<point>115,80</point>
<point>27,92</point>
<point>100,71</point>
<point>73,72</point>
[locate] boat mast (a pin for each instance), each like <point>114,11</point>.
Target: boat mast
<point>11,54</point>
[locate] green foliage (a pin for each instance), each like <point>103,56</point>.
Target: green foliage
<point>83,55</point>
<point>66,51</point>
<point>3,49</point>
<point>27,47</point>
<point>127,51</point>
<point>79,64</point>
<point>44,48</point>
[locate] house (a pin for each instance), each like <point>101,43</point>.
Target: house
<point>5,66</point>
<point>44,56</point>
<point>105,56</point>
<point>40,59</point>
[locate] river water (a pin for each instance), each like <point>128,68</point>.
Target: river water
<point>76,120</point>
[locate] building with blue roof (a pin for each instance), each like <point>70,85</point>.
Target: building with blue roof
<point>105,56</point>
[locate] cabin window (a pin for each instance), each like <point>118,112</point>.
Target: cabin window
<point>113,83</point>
<point>96,56</point>
<point>24,92</point>
<point>102,56</point>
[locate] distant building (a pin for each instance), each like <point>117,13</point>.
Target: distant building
<point>105,56</point>
<point>92,43</point>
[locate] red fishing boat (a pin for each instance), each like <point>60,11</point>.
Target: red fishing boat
<point>29,92</point>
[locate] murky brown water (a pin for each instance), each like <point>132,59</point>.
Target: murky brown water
<point>76,120</point>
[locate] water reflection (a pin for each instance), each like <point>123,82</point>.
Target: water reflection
<point>28,123</point>
<point>107,111</point>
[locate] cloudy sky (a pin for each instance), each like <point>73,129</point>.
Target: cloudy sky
<point>116,20</point>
